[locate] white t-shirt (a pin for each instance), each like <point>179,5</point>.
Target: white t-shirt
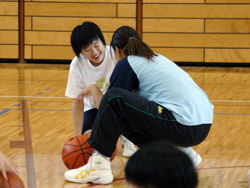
<point>82,74</point>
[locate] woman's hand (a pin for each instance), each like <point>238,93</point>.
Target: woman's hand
<point>84,93</point>
<point>94,91</point>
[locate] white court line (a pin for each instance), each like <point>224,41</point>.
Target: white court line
<point>41,97</point>
<point>34,97</point>
<point>227,101</point>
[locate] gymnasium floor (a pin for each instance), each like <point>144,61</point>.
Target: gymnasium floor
<point>35,121</point>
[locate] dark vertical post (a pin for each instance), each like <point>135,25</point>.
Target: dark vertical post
<point>139,17</point>
<point>21,31</point>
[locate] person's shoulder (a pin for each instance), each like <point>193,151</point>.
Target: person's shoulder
<point>121,64</point>
<point>135,59</point>
<point>74,60</point>
<point>78,60</point>
<point>160,56</point>
<point>124,60</point>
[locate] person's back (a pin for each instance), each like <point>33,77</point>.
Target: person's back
<point>162,81</point>
<point>160,165</point>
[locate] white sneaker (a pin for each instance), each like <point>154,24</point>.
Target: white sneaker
<point>128,147</point>
<point>96,171</point>
<point>195,157</point>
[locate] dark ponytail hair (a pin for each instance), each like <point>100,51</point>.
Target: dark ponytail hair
<point>127,39</point>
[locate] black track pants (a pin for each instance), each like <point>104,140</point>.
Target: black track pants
<point>141,121</point>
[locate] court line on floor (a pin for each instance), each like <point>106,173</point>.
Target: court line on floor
<point>236,101</point>
<point>5,110</point>
<point>93,185</point>
<point>210,168</point>
<point>44,97</point>
<point>34,97</point>
<point>27,145</point>
<point>231,114</point>
<point>223,167</point>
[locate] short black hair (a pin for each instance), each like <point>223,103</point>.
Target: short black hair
<point>85,34</point>
<point>161,165</point>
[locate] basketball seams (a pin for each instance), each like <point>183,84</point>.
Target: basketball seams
<point>82,150</point>
<point>77,159</point>
<point>71,153</point>
<point>78,151</point>
<point>79,156</point>
<point>74,145</point>
<point>73,149</point>
<point>71,145</point>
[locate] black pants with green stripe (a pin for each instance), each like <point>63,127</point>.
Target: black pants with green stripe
<point>141,121</point>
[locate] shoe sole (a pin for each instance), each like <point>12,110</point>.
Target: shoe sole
<point>104,180</point>
<point>129,155</point>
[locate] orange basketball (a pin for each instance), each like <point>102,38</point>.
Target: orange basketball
<point>77,151</point>
<point>13,180</point>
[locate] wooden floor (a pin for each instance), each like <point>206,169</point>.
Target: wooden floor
<point>35,121</point>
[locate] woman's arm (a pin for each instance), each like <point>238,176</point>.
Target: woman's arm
<point>77,115</point>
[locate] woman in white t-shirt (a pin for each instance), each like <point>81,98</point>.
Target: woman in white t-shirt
<point>93,64</point>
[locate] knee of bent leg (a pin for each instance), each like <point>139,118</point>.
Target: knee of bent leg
<point>115,92</point>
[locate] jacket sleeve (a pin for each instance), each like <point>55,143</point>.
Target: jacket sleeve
<point>124,76</point>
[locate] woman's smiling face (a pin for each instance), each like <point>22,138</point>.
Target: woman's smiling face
<point>95,52</point>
